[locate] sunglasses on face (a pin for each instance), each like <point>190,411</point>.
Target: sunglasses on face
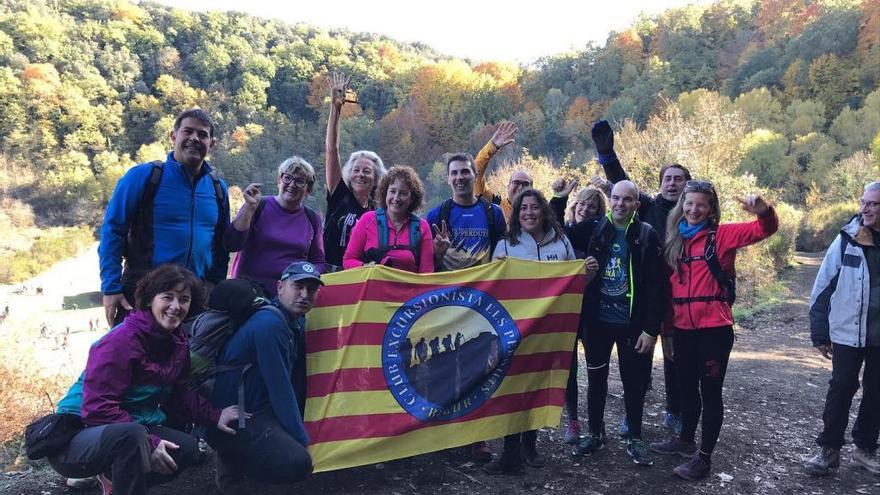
<point>701,185</point>
<point>286,179</point>
<point>521,183</point>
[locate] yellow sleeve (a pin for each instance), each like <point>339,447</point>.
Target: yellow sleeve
<point>481,163</point>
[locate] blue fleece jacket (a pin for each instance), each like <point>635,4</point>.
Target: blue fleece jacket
<point>187,227</point>
<point>268,342</point>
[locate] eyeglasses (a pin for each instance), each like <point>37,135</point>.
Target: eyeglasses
<point>703,185</point>
<point>286,179</point>
<point>521,183</point>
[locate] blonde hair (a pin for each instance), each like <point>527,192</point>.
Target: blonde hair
<point>296,164</point>
<point>674,248</point>
<point>588,193</point>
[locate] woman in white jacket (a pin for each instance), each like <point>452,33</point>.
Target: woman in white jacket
<point>534,234</point>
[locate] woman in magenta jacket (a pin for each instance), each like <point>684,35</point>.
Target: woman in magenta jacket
<point>408,244</point>
<point>702,315</point>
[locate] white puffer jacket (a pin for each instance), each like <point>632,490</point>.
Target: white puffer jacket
<point>553,248</point>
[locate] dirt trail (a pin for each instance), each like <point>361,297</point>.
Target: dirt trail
<point>774,394</point>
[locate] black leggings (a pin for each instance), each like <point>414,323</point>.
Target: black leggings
<point>701,358</point>
<point>599,339</point>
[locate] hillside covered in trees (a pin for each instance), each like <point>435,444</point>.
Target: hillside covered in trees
<point>783,91</point>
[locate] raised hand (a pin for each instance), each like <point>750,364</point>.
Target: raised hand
<point>337,84</point>
<point>253,195</point>
<point>441,239</point>
<point>754,204</point>
<point>563,187</point>
<point>603,137</point>
<point>505,134</point>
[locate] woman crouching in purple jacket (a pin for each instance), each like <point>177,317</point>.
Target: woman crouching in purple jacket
<point>135,380</point>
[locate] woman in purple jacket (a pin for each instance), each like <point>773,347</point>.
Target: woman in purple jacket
<point>135,379</point>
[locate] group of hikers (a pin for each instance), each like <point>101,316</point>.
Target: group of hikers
<point>655,266</point>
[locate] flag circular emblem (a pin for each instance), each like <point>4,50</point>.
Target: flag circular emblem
<point>446,351</point>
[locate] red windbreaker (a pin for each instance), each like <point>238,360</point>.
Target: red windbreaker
<point>694,279</point>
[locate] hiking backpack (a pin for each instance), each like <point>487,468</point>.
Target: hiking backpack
<point>415,238</point>
<point>232,303</point>
<point>725,280</point>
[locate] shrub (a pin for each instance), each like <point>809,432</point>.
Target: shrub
<point>821,225</point>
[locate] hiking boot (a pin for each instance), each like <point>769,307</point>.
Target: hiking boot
<point>105,484</point>
<point>572,432</point>
<point>674,446</point>
<point>532,458</point>
<point>673,422</point>
<point>624,427</point>
<point>501,466</point>
<point>636,449</point>
<point>81,483</point>
<point>823,462</point>
<point>480,452</point>
<point>867,459</point>
<point>589,444</point>
<point>695,469</point>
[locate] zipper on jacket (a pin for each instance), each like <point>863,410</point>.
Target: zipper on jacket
<point>192,210</point>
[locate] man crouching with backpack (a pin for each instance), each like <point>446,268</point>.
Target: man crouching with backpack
<point>266,360</point>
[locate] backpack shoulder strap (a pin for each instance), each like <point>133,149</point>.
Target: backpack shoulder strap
<point>260,208</point>
<point>723,278</point>
<point>312,215</point>
<point>445,211</point>
<point>415,238</point>
<point>490,223</point>
<point>382,227</point>
<point>152,185</point>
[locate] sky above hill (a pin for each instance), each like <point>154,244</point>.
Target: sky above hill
<point>477,29</point>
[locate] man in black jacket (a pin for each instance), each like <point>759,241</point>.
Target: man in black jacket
<point>622,305</point>
<point>654,211</point>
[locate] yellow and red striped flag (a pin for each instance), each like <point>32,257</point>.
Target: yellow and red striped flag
<point>401,364</point>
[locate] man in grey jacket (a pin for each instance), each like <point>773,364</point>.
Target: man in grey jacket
<point>845,328</point>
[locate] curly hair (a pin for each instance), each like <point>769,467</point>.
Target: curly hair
<point>588,193</point>
<point>410,178</point>
<point>548,218</point>
<point>165,278</point>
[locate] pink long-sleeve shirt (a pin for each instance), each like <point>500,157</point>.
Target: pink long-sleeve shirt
<point>366,235</point>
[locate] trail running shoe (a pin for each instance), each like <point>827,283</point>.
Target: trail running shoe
<point>572,432</point>
<point>823,462</point>
<point>589,444</point>
<point>695,469</point>
<point>866,459</point>
<point>674,446</point>
<point>637,449</point>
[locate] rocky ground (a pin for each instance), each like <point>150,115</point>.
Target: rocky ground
<point>774,395</point>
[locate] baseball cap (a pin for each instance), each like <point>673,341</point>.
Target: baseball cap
<point>300,270</point>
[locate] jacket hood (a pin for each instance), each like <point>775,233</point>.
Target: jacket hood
<point>857,232</point>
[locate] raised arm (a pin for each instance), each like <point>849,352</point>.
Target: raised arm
<point>603,140</point>
<point>504,135</point>
<point>332,165</point>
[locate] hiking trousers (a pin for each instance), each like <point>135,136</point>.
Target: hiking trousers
<point>262,451</point>
<point>846,362</point>
<point>599,339</point>
<point>121,451</point>
<point>701,358</point>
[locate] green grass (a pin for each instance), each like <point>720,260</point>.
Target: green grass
<point>51,247</point>
<point>768,296</point>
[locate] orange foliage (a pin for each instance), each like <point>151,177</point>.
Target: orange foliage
<point>630,45</point>
<point>869,31</point>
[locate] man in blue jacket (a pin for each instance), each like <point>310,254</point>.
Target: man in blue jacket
<point>165,212</point>
<point>267,356</point>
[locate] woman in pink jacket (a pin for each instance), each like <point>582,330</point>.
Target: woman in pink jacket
<point>393,235</point>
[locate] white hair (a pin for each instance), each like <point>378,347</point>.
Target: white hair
<point>378,167</point>
<point>873,186</point>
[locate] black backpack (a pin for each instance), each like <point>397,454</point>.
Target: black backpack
<point>232,303</point>
<point>725,280</point>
